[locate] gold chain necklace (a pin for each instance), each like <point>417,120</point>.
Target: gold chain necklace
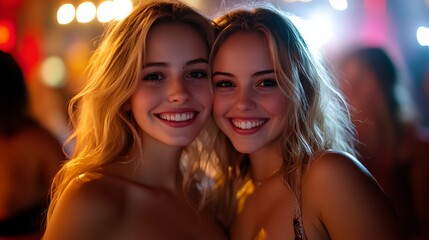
<point>258,183</point>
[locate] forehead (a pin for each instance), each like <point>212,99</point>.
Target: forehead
<point>246,41</point>
<point>175,39</point>
<point>248,49</point>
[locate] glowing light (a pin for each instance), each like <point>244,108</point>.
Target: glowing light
<point>105,11</point>
<point>53,72</point>
<point>4,34</point>
<point>423,36</point>
<point>339,5</point>
<point>316,31</point>
<point>65,14</point>
<point>245,191</point>
<point>122,8</point>
<point>86,12</point>
<point>321,29</point>
<point>7,35</point>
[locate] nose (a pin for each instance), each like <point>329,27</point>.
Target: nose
<point>245,100</point>
<point>178,91</point>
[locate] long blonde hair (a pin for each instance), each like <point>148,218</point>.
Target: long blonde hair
<point>103,131</point>
<point>318,114</point>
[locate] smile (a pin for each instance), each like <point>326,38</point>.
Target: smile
<point>177,117</point>
<point>247,124</point>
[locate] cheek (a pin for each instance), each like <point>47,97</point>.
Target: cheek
<point>277,108</point>
<point>220,108</point>
<point>142,100</point>
<point>276,104</point>
<point>280,109</point>
<point>220,104</point>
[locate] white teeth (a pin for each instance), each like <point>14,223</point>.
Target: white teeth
<point>247,124</point>
<point>177,117</point>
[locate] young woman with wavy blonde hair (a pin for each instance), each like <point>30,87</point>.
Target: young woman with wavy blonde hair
<point>138,167</point>
<point>288,138</point>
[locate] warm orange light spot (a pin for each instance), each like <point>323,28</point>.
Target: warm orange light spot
<point>4,34</point>
<point>7,35</point>
<point>262,235</point>
<point>247,190</point>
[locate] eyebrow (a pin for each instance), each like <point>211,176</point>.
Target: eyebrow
<point>195,61</point>
<point>164,64</point>
<point>259,73</point>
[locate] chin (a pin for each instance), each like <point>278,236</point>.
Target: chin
<point>245,149</point>
<point>180,142</point>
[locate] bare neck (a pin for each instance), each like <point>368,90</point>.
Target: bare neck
<point>158,167</point>
<point>264,162</point>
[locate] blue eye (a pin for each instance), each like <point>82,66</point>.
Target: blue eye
<point>224,84</point>
<point>197,74</point>
<point>268,83</point>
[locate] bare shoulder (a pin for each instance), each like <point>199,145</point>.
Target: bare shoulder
<point>340,176</point>
<point>349,202</point>
<point>89,208</point>
<point>334,165</point>
<point>342,173</point>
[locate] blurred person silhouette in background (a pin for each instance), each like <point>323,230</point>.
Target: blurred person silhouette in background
<point>395,150</point>
<point>29,158</point>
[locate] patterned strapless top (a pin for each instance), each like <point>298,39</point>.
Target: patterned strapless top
<point>298,229</point>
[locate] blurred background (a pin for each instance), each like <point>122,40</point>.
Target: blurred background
<point>53,39</point>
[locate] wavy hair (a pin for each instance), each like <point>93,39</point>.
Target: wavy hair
<point>318,114</point>
<point>103,131</point>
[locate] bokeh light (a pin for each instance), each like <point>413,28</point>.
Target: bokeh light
<point>7,35</point>
<point>423,36</point>
<point>65,14</point>
<point>317,30</point>
<point>122,8</point>
<point>53,71</point>
<point>86,12</point>
<point>105,11</point>
<point>339,5</point>
<point>321,29</point>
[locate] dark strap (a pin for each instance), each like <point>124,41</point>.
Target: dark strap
<point>298,225</point>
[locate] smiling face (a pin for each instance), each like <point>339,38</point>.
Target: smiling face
<point>249,106</point>
<point>172,101</point>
